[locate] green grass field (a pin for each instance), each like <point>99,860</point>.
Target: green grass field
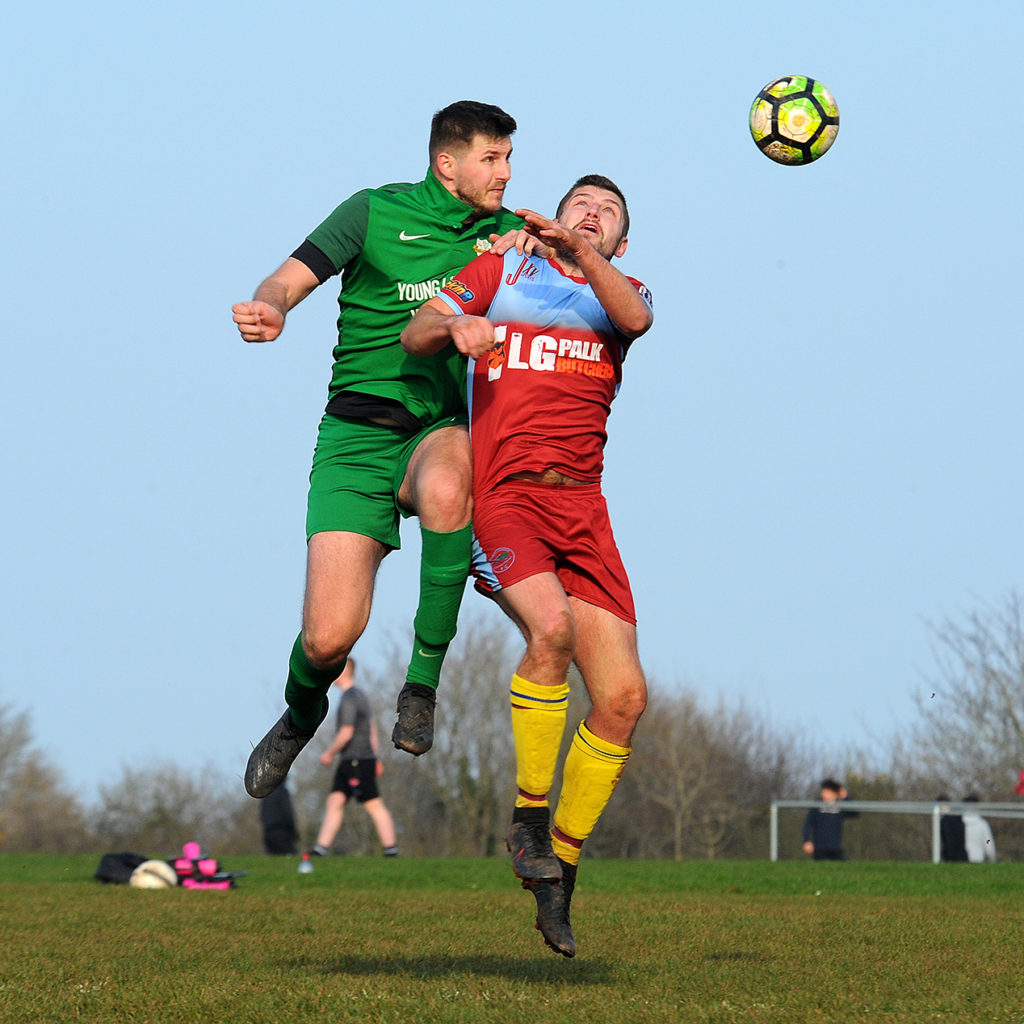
<point>369,940</point>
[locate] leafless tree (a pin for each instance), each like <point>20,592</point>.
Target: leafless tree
<point>456,799</point>
<point>37,810</point>
<point>700,782</point>
<point>971,729</point>
<point>156,810</point>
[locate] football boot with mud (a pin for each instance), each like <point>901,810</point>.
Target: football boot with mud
<point>273,756</point>
<point>529,841</point>
<point>553,910</point>
<point>414,729</point>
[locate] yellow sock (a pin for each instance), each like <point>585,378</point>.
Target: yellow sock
<point>593,768</point>
<point>538,721</point>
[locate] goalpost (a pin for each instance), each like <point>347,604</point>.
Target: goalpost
<point>931,807</point>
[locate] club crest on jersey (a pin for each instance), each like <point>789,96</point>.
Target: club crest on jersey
<point>481,245</point>
<point>503,559</point>
<point>460,291</point>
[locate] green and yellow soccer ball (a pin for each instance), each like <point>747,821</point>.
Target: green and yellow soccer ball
<point>794,120</point>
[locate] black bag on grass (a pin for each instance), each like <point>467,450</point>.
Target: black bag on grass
<point>118,867</point>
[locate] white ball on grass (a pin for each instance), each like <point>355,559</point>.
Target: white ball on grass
<point>154,874</point>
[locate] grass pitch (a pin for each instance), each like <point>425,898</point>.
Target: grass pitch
<point>374,940</point>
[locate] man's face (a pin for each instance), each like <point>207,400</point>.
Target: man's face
<point>597,215</point>
<point>481,172</point>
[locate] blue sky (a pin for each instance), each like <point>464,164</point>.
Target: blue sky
<point>815,452</point>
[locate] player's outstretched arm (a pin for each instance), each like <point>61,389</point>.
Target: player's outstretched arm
<point>621,301</point>
<point>262,318</point>
<point>434,326</point>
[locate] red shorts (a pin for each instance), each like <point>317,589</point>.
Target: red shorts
<point>524,528</point>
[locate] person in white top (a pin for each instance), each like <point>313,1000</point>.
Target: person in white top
<point>978,839</point>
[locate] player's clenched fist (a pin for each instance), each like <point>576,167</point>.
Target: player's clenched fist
<point>257,321</point>
<point>473,336</point>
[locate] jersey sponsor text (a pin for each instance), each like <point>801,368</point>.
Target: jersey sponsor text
<point>546,353</point>
<point>420,291</point>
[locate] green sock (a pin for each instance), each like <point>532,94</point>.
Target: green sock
<point>444,566</point>
<point>305,693</point>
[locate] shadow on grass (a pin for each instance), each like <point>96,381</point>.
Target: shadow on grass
<point>580,972</point>
<point>738,957</point>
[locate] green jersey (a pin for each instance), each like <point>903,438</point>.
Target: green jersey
<point>395,247</point>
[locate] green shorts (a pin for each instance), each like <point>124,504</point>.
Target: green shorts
<point>358,467</point>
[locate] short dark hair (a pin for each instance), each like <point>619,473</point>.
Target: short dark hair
<point>597,181</point>
<point>457,124</point>
<point>831,784</point>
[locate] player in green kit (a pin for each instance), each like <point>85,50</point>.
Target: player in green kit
<point>393,440</point>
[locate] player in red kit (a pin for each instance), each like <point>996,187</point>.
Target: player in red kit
<point>546,339</point>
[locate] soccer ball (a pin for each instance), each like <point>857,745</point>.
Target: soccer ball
<point>154,874</point>
<point>794,120</point>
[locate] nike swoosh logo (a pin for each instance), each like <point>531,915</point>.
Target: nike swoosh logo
<point>409,238</point>
<point>422,653</point>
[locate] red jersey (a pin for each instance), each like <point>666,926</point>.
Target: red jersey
<point>540,399</point>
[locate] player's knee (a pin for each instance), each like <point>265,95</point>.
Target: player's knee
<point>554,636</point>
<point>446,500</point>
<point>325,649</point>
<point>627,704</point>
<point>635,705</point>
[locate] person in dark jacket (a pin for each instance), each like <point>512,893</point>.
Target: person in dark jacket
<point>278,821</point>
<point>952,835</point>
<point>823,826</point>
